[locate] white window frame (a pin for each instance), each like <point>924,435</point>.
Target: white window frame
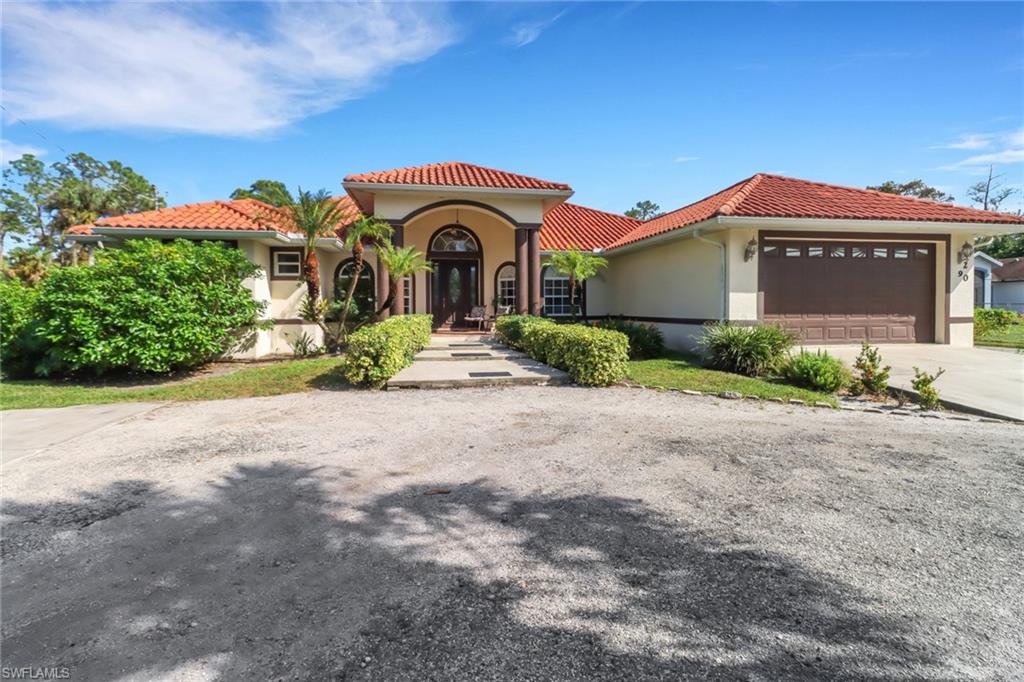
<point>275,265</point>
<point>565,307</point>
<point>507,281</point>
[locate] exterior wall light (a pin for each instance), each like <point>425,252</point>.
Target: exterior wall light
<point>750,251</point>
<point>966,251</point>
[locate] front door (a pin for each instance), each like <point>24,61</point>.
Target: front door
<point>453,291</point>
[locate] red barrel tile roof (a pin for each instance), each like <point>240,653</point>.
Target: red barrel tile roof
<point>571,226</point>
<point>457,174</point>
<point>775,196</point>
<point>247,215</point>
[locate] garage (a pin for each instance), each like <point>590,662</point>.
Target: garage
<point>848,291</point>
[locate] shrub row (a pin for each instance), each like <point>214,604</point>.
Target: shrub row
<point>591,356</point>
<point>377,353</point>
<point>645,340</point>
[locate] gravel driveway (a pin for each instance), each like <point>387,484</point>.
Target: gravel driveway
<point>523,533</point>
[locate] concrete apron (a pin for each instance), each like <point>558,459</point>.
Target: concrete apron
<point>473,360</point>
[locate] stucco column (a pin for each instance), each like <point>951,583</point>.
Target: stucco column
<point>534,271</point>
<point>522,271</point>
<point>382,285</point>
<point>398,239</point>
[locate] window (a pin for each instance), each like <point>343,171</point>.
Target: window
<point>364,298</point>
<point>506,288</point>
<point>922,252</point>
<point>792,252</point>
<point>556,293</point>
<point>454,239</point>
<point>407,295</point>
<point>880,252</point>
<point>815,251</point>
<point>837,251</point>
<point>770,250</point>
<point>285,263</point>
<point>858,252</point>
<point>901,253</point>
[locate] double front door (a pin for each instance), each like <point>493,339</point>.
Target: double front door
<point>454,291</point>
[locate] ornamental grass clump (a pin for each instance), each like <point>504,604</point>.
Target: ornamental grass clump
<point>754,351</point>
<point>818,371</point>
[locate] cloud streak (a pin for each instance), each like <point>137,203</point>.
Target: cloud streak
<point>969,142</point>
<point>684,159</point>
<point>10,151</point>
<point>526,32</point>
<point>175,68</point>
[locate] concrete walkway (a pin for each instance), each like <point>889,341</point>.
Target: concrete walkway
<point>981,380</point>
<point>26,432</point>
<point>451,361</point>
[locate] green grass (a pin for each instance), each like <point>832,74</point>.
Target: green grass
<point>292,376</point>
<point>685,372</point>
<point>1011,337</point>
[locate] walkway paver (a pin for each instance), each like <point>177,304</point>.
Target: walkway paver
<point>451,361</point>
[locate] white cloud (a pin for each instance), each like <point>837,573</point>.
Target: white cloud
<point>10,151</point>
<point>528,31</point>
<point>1016,138</point>
<point>996,158</point>
<point>684,159</point>
<point>177,68</point>
<point>970,142</point>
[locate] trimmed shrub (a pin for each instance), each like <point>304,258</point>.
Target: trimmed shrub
<point>20,349</point>
<point>377,353</point>
<point>591,356</point>
<point>819,371</point>
<point>754,351</point>
<point>992,321</point>
<point>871,377</point>
<point>645,340</point>
<point>146,307</point>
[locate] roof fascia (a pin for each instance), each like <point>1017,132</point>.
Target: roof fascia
<point>434,189</point>
<point>841,224</point>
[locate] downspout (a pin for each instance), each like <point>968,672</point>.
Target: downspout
<point>721,270</point>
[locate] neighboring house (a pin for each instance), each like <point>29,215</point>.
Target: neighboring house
<point>834,264</point>
<point>983,265</point>
<point>1008,285</point>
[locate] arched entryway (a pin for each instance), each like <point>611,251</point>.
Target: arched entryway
<point>456,284</point>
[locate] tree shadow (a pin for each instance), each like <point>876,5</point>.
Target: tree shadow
<point>267,574</point>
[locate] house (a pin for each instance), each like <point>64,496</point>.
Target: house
<point>834,264</point>
<point>1008,285</point>
<point>983,265</point>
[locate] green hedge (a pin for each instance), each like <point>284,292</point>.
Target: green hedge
<point>645,340</point>
<point>591,356</point>
<point>818,371</point>
<point>992,321</point>
<point>377,353</point>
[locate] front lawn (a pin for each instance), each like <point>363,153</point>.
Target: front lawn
<point>1011,337</point>
<point>284,377</point>
<point>684,372</point>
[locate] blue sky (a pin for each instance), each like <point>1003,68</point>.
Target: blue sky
<point>661,101</point>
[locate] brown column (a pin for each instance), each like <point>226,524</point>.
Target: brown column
<point>522,271</point>
<point>398,239</point>
<point>534,271</point>
<point>382,286</point>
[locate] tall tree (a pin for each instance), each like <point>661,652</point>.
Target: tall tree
<point>914,188</point>
<point>990,193</point>
<point>273,192</point>
<point>644,210</point>
<point>313,215</point>
<point>1006,246</point>
<point>579,266</point>
<point>366,230</point>
<point>401,262</point>
<point>40,202</point>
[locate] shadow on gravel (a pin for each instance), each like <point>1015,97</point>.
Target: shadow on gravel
<point>269,576</point>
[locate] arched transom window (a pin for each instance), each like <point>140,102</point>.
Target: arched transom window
<point>455,239</point>
<point>507,285</point>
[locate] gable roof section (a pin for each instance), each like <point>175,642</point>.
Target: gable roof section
<point>457,174</point>
<point>775,196</point>
<point>571,226</point>
<point>1012,270</point>
<point>243,215</point>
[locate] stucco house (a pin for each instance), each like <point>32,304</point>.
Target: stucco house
<point>834,264</point>
<point>983,266</point>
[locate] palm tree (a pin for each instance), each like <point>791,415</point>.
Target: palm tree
<point>401,262</point>
<point>313,215</point>
<point>579,266</point>
<point>366,229</point>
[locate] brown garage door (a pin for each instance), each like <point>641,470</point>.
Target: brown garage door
<point>843,292</point>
